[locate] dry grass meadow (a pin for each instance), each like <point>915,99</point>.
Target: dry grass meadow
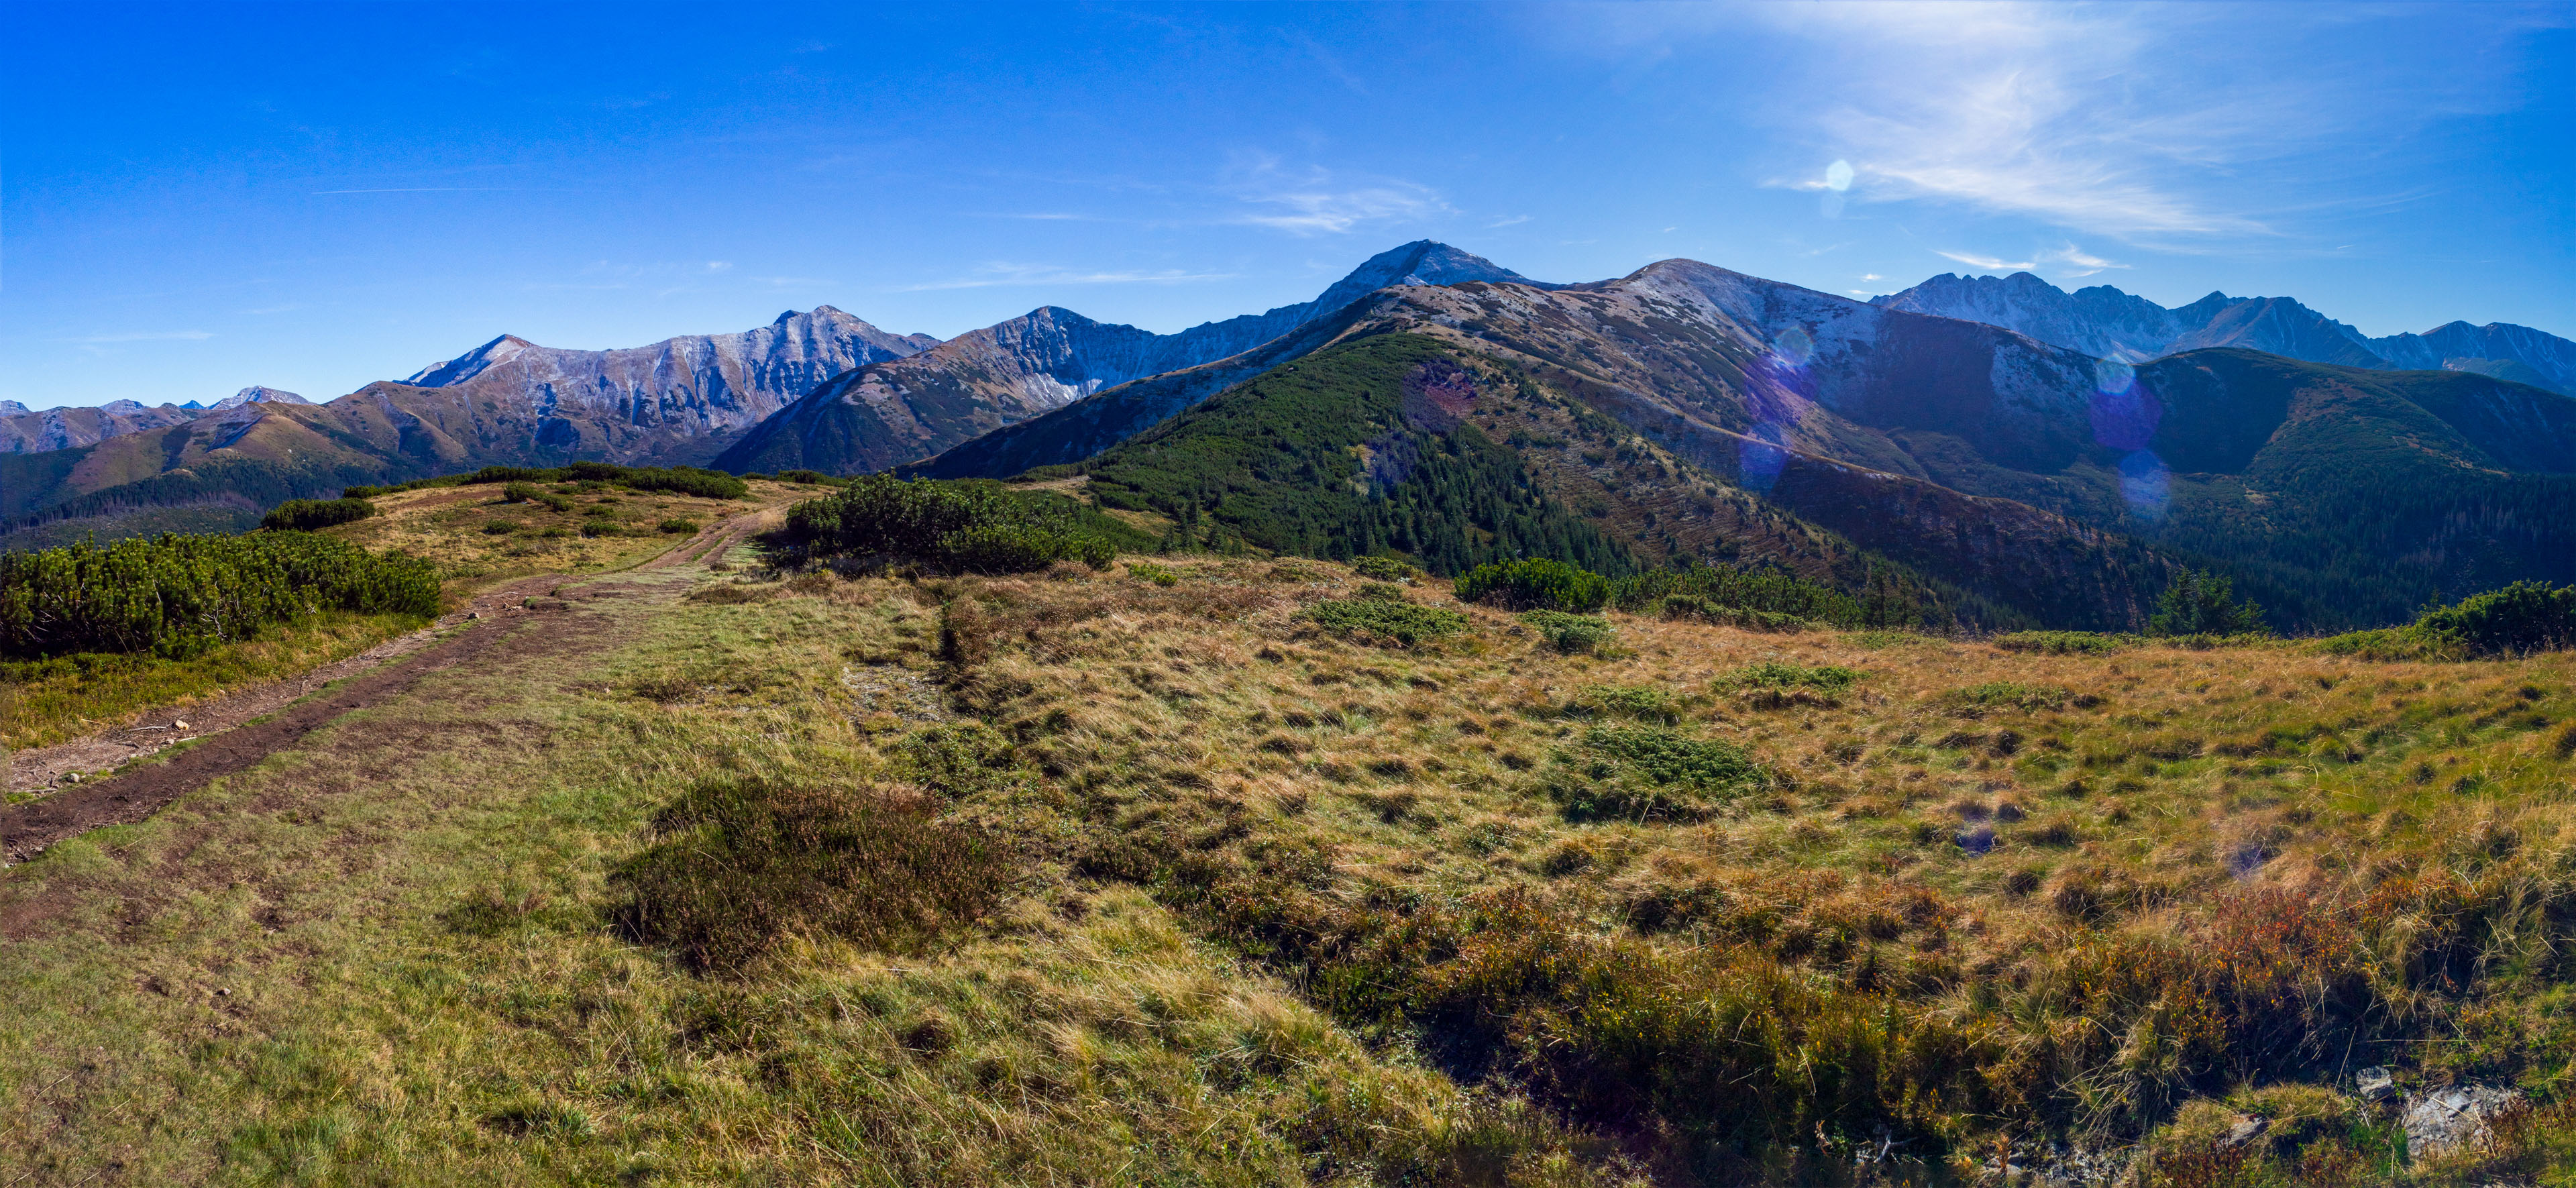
<point>1140,878</point>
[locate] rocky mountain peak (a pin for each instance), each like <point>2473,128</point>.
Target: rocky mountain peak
<point>256,394</point>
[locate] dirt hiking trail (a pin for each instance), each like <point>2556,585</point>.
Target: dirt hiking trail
<point>236,731</point>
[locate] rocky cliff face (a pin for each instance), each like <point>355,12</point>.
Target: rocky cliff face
<point>1046,359</point>
<point>678,399</point>
<point>2106,323</point>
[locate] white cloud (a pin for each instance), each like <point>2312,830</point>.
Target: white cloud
<point>1988,263</point>
<point>1314,200</point>
<point>2077,262</point>
<point>1000,274</point>
<point>1514,221</point>
<point>2183,127</point>
<point>719,265</point>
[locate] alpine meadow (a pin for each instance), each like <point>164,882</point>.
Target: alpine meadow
<point>1680,729</point>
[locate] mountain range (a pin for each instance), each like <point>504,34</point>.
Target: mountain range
<point>2011,453</point>
<point>2106,323</point>
<point>1046,359</point>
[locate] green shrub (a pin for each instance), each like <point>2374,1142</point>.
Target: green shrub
<point>362,491</point>
<point>2012,695</point>
<point>810,478</point>
<point>1384,569</point>
<point>1751,598</point>
<point>739,864</point>
<point>1645,772</point>
<point>2390,644</point>
<point>1775,675</point>
<point>307,515</point>
<point>677,526</point>
<point>1147,571</point>
<point>501,527</point>
<point>1646,703</point>
<point>963,527</point>
<point>602,528</point>
<point>1535,584</point>
<point>177,596</point>
<point>1689,606</point>
<point>2199,603</point>
<point>1381,619</point>
<point>1570,634</point>
<point>532,493</point>
<point>2067,643</point>
<point>2522,617</point>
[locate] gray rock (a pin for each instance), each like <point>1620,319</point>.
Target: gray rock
<point>2374,1083</point>
<point>2452,1119</point>
<point>2245,1132</point>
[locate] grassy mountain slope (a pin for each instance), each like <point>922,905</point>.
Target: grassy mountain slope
<point>1422,444</point>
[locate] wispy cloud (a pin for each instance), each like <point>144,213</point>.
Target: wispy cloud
<point>1514,221</point>
<point>2076,261</point>
<point>1001,274</point>
<point>1314,200</point>
<point>275,309</point>
<point>2180,127</point>
<point>143,336</point>
<point>1988,263</point>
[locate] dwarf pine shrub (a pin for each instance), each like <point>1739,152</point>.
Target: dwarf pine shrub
<point>176,596</point>
<point>1384,569</point>
<point>308,515</point>
<point>2067,643</point>
<point>1688,606</point>
<point>1534,584</point>
<point>2522,617</point>
<point>960,527</point>
<point>1776,675</point>
<point>1384,619</point>
<point>1570,634</point>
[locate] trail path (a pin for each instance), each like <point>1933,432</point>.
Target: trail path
<point>239,729</point>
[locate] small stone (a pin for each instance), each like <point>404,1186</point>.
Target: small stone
<point>2374,1083</point>
<point>71,777</point>
<point>223,992</point>
<point>177,725</point>
<point>2246,1131</point>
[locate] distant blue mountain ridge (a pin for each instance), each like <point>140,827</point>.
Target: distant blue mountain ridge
<point>2109,324</point>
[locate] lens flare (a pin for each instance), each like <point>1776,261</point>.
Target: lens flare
<point>2145,484</point>
<point>1760,458</point>
<point>1794,348</point>
<point>1838,176</point>
<point>2123,411</point>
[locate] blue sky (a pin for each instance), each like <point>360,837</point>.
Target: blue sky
<point>202,197</point>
